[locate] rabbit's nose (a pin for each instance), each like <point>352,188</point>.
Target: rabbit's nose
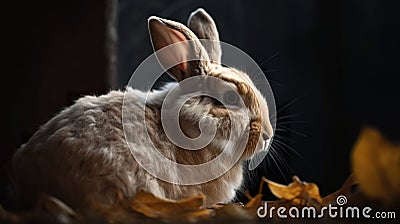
<point>265,136</point>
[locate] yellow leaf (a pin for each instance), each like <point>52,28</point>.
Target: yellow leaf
<point>166,205</point>
<point>376,165</point>
<point>296,190</point>
<point>255,202</point>
<point>186,209</point>
<point>234,212</point>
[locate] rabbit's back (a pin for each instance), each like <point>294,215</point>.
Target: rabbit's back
<point>81,152</point>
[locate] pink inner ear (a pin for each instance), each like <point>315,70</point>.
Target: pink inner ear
<point>183,66</point>
<point>179,52</point>
<point>176,36</point>
<point>175,54</point>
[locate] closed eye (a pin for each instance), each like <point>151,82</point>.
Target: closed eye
<point>231,100</point>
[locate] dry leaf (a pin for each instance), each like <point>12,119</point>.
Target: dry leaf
<point>255,202</point>
<point>235,212</point>
<point>167,205</point>
<point>119,212</point>
<point>222,205</point>
<point>186,209</point>
<point>376,165</point>
<point>297,191</point>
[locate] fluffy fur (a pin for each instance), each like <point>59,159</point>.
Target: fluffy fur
<point>82,154</point>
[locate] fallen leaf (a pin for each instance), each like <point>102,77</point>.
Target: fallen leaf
<point>376,165</point>
<point>254,202</point>
<point>186,209</point>
<point>235,212</point>
<point>119,212</point>
<point>166,205</point>
<point>298,191</point>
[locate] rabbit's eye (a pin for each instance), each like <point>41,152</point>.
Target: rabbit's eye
<point>231,98</point>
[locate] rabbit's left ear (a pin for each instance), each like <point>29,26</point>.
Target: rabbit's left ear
<point>201,23</point>
<point>177,48</point>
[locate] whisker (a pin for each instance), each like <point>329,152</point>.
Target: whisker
<point>283,108</point>
<point>283,138</point>
<point>294,122</point>
<point>281,130</point>
<point>269,59</point>
<point>276,163</point>
<point>279,158</point>
<point>282,118</point>
<point>274,83</point>
<point>256,78</point>
<point>279,143</point>
<point>276,157</point>
<point>270,70</point>
<point>283,150</point>
<point>283,161</point>
<point>252,177</point>
<point>287,116</point>
<point>290,103</point>
<point>296,132</point>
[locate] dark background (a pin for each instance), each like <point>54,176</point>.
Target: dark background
<point>333,67</point>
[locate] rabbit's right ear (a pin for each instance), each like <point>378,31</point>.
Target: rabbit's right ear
<point>182,59</point>
<point>202,24</point>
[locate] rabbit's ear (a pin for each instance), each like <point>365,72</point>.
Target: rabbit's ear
<point>201,23</point>
<point>182,58</point>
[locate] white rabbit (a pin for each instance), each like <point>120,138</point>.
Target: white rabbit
<point>82,152</point>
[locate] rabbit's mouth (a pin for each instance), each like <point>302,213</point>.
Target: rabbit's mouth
<point>263,145</point>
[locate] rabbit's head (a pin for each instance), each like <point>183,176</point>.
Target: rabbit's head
<point>235,106</point>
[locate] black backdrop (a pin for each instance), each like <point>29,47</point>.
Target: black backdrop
<point>333,66</point>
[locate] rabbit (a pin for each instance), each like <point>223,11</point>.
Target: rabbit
<point>82,154</point>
